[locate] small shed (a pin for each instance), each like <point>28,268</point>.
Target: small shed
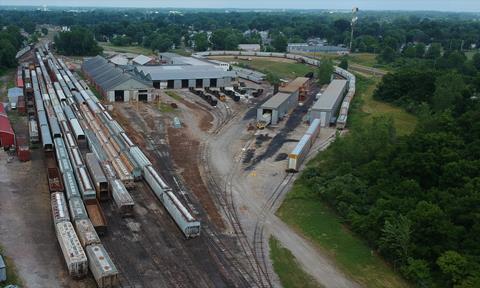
<point>13,94</point>
<point>141,60</point>
<point>278,106</point>
<point>3,270</point>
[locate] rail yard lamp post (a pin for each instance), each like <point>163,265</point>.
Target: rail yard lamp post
<point>352,24</point>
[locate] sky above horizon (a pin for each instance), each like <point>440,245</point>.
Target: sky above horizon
<point>437,5</point>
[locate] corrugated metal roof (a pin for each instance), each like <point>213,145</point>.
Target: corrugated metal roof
<point>107,76</point>
<point>330,95</point>
<point>5,125</point>
<point>141,59</point>
<point>276,100</point>
<point>294,85</point>
<point>179,72</point>
<point>119,60</point>
<point>15,92</point>
<point>176,59</point>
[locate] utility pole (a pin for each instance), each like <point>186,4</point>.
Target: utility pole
<point>352,24</point>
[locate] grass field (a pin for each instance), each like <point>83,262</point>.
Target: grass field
<point>283,69</point>
<point>173,95</point>
<point>288,269</point>
<point>318,223</point>
<point>365,108</point>
<point>126,49</point>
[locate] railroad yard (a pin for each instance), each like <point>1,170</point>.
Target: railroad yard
<point>178,192</point>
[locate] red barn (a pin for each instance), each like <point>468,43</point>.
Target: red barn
<point>7,136</point>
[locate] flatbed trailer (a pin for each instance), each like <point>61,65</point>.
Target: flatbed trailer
<point>96,215</point>
<point>55,183</point>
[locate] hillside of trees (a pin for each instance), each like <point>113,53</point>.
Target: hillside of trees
<point>10,42</point>
<point>415,198</point>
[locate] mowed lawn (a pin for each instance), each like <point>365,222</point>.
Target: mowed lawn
<point>313,219</point>
<point>281,67</point>
<point>365,108</point>
<point>288,269</point>
<point>126,49</point>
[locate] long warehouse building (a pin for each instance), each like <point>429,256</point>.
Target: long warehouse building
<point>115,84</point>
<point>327,105</point>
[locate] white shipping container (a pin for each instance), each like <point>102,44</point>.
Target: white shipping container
<point>102,267</point>
<point>73,253</point>
<point>59,207</point>
<point>86,232</point>
<point>77,209</point>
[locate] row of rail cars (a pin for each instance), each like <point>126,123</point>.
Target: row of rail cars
<point>127,159</point>
<point>95,160</point>
<point>343,114</point>
<point>77,215</point>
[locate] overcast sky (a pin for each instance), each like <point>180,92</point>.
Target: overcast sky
<point>439,5</point>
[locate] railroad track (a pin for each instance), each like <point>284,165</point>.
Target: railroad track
<point>227,204</point>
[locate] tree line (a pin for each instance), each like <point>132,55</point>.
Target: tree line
<point>10,42</point>
<point>415,199</point>
<point>389,33</point>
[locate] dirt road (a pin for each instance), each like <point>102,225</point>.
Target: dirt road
<point>257,194</point>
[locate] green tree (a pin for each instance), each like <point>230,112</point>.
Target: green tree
<point>279,42</point>
<point>395,240</point>
<point>343,63</point>
<point>476,61</point>
<point>410,52</point>
<point>434,51</point>
<point>325,71</point>
<point>388,55</point>
<point>79,41</point>
<point>201,41</point>
<point>44,31</point>
<point>448,89</point>
<point>161,43</point>
<point>420,50</point>
<point>7,54</point>
<point>453,265</point>
<point>418,272</point>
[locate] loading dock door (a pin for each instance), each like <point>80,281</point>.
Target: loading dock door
<point>213,82</point>
<point>185,83</point>
<point>119,96</point>
<point>143,97</point>
<point>170,84</point>
<point>199,83</point>
<point>323,119</point>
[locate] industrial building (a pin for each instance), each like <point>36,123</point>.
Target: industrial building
<point>277,106</point>
<point>328,103</point>
<point>185,72</point>
<point>115,84</point>
<point>13,95</point>
<point>300,86</point>
<point>7,136</point>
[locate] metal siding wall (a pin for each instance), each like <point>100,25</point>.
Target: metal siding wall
<point>259,114</point>
<point>191,83</point>
<point>274,117</point>
<point>206,83</point>
<point>111,96</point>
